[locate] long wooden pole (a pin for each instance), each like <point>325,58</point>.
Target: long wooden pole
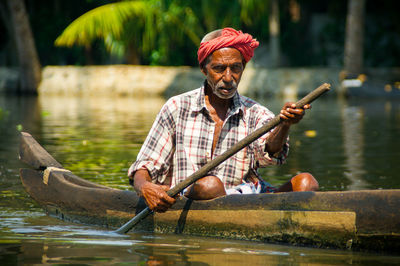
<point>221,158</point>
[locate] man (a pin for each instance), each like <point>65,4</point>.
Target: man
<point>195,127</point>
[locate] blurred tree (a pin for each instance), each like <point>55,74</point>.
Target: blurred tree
<point>29,65</point>
<point>354,40</point>
<point>274,33</point>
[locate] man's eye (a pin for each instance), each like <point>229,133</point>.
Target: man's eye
<point>236,68</point>
<point>218,68</point>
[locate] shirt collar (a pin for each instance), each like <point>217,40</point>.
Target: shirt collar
<point>200,100</point>
<point>236,107</point>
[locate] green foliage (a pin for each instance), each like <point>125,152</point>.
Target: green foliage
<point>167,32</point>
<point>160,31</point>
<point>103,22</point>
<point>146,25</point>
<point>45,113</point>
<point>253,11</point>
<point>3,113</point>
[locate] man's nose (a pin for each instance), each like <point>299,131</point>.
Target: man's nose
<point>228,76</point>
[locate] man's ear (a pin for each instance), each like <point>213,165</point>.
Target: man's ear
<point>203,70</point>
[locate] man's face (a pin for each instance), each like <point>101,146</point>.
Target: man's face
<point>224,72</point>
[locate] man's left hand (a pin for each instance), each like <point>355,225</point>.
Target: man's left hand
<point>292,115</point>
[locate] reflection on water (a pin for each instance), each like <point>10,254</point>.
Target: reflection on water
<point>56,244</point>
<point>356,146</point>
<point>353,143</point>
<point>97,138</point>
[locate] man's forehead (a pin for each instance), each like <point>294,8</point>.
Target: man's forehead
<point>226,54</point>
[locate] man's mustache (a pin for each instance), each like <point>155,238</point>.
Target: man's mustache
<point>222,85</point>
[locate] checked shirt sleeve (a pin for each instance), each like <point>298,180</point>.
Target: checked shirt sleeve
<point>158,148</point>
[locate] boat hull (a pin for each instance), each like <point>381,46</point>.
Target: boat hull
<point>359,220</point>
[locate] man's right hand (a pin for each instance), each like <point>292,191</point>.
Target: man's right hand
<point>156,196</point>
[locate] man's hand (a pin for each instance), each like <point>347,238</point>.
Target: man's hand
<point>156,196</point>
<point>292,115</point>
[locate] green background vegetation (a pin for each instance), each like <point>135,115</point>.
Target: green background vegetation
<point>312,37</point>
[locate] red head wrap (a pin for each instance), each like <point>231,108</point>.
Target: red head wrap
<point>229,38</point>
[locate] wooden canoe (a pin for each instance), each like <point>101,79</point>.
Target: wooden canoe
<point>356,220</point>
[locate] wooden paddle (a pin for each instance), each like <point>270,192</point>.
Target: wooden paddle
<point>221,158</point>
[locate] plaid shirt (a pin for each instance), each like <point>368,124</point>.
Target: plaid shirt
<point>180,141</point>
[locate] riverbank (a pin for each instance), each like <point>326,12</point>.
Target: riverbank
<point>168,81</point>
<point>129,80</point>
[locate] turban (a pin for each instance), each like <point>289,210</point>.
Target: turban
<point>229,38</point>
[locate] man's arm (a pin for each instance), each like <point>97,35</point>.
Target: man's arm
<point>154,161</point>
<point>290,115</point>
<point>277,139</point>
<point>155,195</point>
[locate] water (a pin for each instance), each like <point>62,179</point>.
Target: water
<point>347,145</point>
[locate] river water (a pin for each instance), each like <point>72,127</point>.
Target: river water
<point>347,145</point>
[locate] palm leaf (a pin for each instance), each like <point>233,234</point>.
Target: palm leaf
<point>101,22</point>
<point>146,25</point>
